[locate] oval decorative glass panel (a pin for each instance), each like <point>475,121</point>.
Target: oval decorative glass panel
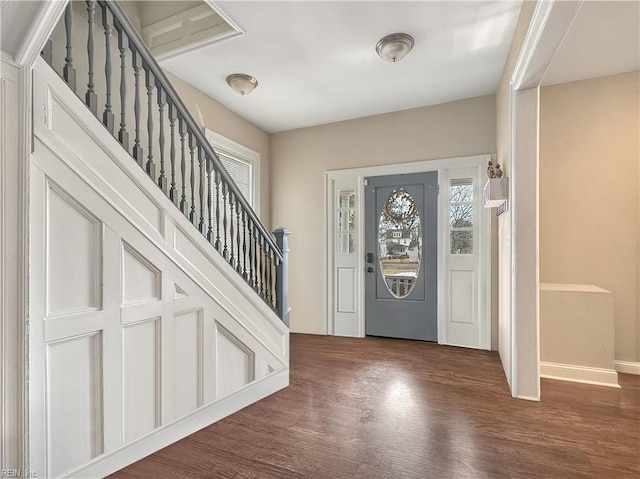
<point>400,243</point>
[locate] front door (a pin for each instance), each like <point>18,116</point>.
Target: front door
<point>401,256</point>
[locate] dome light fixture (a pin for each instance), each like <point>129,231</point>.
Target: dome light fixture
<point>394,47</point>
<point>241,83</point>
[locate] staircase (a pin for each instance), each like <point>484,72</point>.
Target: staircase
<point>158,299</point>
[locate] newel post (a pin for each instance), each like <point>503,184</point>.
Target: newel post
<point>282,279</point>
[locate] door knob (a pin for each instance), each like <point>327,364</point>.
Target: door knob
<point>369,269</point>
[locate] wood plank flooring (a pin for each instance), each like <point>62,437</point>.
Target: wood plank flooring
<point>383,408</point>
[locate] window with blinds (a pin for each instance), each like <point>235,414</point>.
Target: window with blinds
<point>241,172</point>
<point>242,163</point>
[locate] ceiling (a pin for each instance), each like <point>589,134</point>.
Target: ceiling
<point>15,20</point>
<point>316,62</point>
<point>604,39</point>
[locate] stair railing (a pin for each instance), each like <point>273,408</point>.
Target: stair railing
<point>167,143</point>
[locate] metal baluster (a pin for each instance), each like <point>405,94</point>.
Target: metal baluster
<point>91,99</point>
<point>217,244</point>
<point>138,152</point>
<point>244,243</point>
<point>108,118</point>
<point>231,201</point>
<point>184,207</point>
<point>202,225</point>
<point>162,101</point>
<point>238,266</point>
<point>173,114</point>
<point>68,72</point>
<point>151,84</point>
<point>193,216</point>
<point>224,218</point>
<point>123,46</point>
<point>209,197</point>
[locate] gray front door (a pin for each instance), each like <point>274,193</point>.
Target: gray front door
<point>401,248</point>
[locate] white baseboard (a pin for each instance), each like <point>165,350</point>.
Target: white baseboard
<point>627,367</point>
<point>579,374</point>
<point>114,461</point>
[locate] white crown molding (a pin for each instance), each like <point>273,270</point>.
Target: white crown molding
<point>40,30</point>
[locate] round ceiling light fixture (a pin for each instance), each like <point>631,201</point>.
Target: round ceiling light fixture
<point>394,47</point>
<point>241,83</point>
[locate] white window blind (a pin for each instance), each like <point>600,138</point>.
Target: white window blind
<point>240,172</point>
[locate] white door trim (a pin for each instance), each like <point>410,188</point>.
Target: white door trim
<point>550,22</point>
<point>356,177</point>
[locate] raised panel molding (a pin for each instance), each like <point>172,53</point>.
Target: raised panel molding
<point>235,362</point>
<point>74,400</point>
<point>346,290</point>
<point>141,281</point>
<point>73,258</point>
<point>461,300</point>
<point>141,378</point>
<point>162,366</point>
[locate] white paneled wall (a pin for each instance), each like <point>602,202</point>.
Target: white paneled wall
<point>139,334</point>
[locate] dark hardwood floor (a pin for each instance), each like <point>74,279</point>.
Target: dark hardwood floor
<point>383,408</point>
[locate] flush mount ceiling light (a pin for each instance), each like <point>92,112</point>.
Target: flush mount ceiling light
<point>394,47</point>
<point>242,84</point>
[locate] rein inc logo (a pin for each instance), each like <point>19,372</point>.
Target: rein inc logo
<point>18,473</point>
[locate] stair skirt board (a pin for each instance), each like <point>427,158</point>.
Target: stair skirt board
<point>579,374</point>
<point>166,435</point>
<point>140,333</point>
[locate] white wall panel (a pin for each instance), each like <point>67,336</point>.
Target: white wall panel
<point>187,365</point>
<point>74,387</point>
<point>235,363</point>
<point>73,255</point>
<point>141,281</point>
<point>141,378</point>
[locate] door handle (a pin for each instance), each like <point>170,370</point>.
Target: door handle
<point>370,258</point>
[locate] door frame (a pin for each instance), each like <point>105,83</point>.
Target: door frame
<point>354,178</point>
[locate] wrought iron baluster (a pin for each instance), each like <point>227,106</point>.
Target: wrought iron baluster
<point>91,99</point>
<point>202,225</point>
<point>162,101</point>
<point>151,84</point>
<point>138,152</point>
<point>69,72</point>
<point>173,115</point>
<point>209,197</point>
<point>123,46</point>
<point>108,118</point>
<point>193,216</point>
<point>184,207</point>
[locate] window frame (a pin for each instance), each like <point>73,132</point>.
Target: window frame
<point>240,153</point>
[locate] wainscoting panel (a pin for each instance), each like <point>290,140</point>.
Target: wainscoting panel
<point>134,342</point>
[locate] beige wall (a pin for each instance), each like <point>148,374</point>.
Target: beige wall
<point>589,161</point>
<point>210,114</point>
<point>301,157</point>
